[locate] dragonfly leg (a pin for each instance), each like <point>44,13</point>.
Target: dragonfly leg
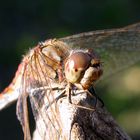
<point>83,107</point>
<point>101,101</point>
<point>68,91</point>
<point>93,92</point>
<point>69,94</point>
<point>62,94</point>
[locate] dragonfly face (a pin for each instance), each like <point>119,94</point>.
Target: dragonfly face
<point>83,68</point>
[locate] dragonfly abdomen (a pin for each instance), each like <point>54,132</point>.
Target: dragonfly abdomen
<point>11,93</point>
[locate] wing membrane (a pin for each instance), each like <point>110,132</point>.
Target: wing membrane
<point>40,71</point>
<point>117,48</point>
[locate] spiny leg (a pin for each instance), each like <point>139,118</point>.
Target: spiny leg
<point>93,92</point>
<point>69,92</point>
<point>62,94</point>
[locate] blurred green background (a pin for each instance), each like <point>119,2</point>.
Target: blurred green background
<point>24,23</point>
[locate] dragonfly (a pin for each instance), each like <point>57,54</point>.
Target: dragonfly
<point>57,67</point>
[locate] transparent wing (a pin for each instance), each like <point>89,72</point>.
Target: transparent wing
<point>40,81</point>
<point>117,48</point>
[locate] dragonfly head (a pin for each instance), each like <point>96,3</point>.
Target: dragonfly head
<point>83,67</point>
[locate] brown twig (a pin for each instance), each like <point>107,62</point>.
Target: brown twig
<point>83,124</point>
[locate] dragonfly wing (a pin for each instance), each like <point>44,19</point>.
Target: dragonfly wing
<point>48,123</point>
<point>41,71</point>
<point>117,48</point>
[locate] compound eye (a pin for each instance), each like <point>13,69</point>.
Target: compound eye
<point>77,63</point>
<point>80,60</point>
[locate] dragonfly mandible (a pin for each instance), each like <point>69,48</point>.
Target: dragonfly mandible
<point>47,66</point>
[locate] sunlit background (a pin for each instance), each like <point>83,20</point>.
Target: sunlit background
<point>23,23</point>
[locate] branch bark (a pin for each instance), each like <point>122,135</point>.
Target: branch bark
<point>78,123</point>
